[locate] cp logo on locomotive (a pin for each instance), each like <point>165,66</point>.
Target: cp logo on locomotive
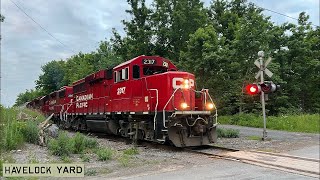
<point>179,82</point>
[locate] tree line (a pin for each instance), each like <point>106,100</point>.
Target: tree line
<point>218,44</point>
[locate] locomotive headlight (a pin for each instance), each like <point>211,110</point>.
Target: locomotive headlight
<point>186,84</point>
<point>184,105</point>
<point>210,106</point>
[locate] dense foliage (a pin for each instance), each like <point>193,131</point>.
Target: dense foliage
<point>218,44</point>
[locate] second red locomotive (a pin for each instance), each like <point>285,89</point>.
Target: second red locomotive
<point>143,98</point>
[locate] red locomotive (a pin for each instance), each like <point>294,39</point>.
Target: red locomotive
<point>143,98</point>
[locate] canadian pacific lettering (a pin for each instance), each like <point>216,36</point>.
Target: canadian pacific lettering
<point>82,101</point>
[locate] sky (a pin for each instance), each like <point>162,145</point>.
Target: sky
<point>80,25</point>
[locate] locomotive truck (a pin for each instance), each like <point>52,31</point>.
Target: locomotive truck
<point>145,98</point>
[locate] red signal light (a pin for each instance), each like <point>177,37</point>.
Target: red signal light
<point>253,89</point>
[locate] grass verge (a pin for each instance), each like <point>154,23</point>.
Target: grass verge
<point>15,132</point>
<point>308,123</point>
<point>65,145</point>
<point>227,133</point>
<point>104,154</point>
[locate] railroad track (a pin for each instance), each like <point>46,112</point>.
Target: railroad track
<point>294,164</point>
<point>284,162</point>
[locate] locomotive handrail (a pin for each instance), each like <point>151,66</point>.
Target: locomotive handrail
<point>216,111</point>
<point>155,109</point>
<point>61,111</point>
<point>216,114</point>
<point>163,111</point>
<point>68,108</point>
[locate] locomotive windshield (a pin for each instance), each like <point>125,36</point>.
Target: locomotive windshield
<point>151,70</point>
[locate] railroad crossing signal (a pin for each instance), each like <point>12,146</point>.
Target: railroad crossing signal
<point>253,89</point>
<point>266,87</point>
<point>263,67</point>
<point>262,88</point>
<point>269,87</point>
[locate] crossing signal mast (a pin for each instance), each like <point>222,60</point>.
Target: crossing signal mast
<point>263,88</point>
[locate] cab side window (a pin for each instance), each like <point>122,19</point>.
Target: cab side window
<point>121,75</point>
<point>136,72</point>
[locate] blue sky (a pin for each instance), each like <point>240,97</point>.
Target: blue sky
<point>80,25</point>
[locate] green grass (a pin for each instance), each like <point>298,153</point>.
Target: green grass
<point>124,160</point>
<point>14,132</point>
<point>90,143</point>
<point>227,133</point>
<point>90,172</point>
<point>62,146</point>
<point>66,159</point>
<point>309,123</point>
<point>131,151</point>
<point>78,143</point>
<point>4,158</point>
<point>256,138</point>
<point>31,132</point>
<point>85,158</point>
<point>104,154</point>
<point>65,145</point>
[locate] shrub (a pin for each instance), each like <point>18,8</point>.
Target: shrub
<point>90,143</point>
<point>104,154</point>
<point>62,146</point>
<point>78,143</point>
<point>14,132</point>
<point>31,132</point>
<point>11,136</point>
<point>228,133</point>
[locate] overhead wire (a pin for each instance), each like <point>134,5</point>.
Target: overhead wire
<point>280,14</point>
<point>44,29</point>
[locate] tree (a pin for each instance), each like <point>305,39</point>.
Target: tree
<point>301,65</point>
<point>161,30</point>
<point>105,56</point>
<point>51,79</point>
<point>138,32</point>
<point>183,19</point>
<point>77,67</point>
<point>27,96</point>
